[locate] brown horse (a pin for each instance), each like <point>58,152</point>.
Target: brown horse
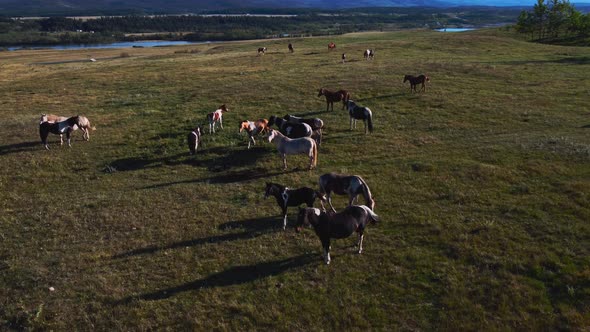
<point>422,79</point>
<point>331,46</point>
<point>291,48</point>
<point>253,128</point>
<point>331,97</point>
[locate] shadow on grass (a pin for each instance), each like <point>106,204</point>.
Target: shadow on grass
<point>382,97</point>
<point>254,228</point>
<point>233,276</point>
<point>231,177</point>
<point>20,147</point>
<point>586,126</point>
<point>582,60</point>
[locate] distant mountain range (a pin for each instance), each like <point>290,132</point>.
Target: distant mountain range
<point>112,7</point>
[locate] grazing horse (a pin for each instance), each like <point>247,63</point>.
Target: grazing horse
<point>315,124</point>
<point>83,124</point>
<point>291,48</point>
<point>215,117</point>
<point>253,128</point>
<point>291,130</point>
<point>291,197</point>
<point>369,54</point>
<point>422,79</point>
<point>286,145</point>
<point>360,113</point>
<point>331,46</point>
<point>58,128</point>
<point>261,50</point>
<point>194,138</point>
<point>331,97</point>
<point>341,184</point>
<point>338,225</point>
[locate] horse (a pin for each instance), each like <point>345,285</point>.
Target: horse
<point>291,48</point>
<point>360,113</point>
<point>83,124</point>
<point>261,50</point>
<point>343,57</point>
<point>291,197</point>
<point>338,225</point>
<point>331,46</point>
<point>368,54</point>
<point>286,145</point>
<point>215,117</point>
<point>291,130</point>
<point>316,125</point>
<point>422,79</point>
<point>253,128</point>
<point>341,184</point>
<point>193,139</point>
<point>58,128</point>
<point>331,97</point>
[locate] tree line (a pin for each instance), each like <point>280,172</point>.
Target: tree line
<point>553,19</point>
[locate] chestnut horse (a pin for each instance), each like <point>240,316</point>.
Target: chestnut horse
<point>422,79</point>
<point>331,97</point>
<point>253,128</point>
<point>337,225</point>
<point>331,46</point>
<point>215,117</point>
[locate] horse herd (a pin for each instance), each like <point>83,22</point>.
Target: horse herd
<point>294,135</point>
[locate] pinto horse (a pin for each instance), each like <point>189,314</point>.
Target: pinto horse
<point>286,145</point>
<point>338,225</point>
<point>369,54</point>
<point>193,139</point>
<point>291,197</point>
<point>291,130</point>
<point>253,128</point>
<point>340,184</point>
<point>422,79</point>
<point>360,113</point>
<point>331,46</point>
<point>58,128</point>
<point>83,124</point>
<point>261,50</point>
<point>331,97</point>
<point>316,125</point>
<point>215,117</point>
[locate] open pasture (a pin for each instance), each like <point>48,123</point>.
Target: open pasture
<point>482,185</point>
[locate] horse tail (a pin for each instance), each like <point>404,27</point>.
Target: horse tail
<point>370,120</point>
<point>315,153</point>
<point>367,193</point>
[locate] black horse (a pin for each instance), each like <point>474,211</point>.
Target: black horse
<point>193,139</point>
<point>316,125</point>
<point>337,225</point>
<point>291,197</point>
<point>291,130</point>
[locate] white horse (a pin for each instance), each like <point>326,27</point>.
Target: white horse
<point>286,145</point>
<point>83,123</point>
<point>215,117</point>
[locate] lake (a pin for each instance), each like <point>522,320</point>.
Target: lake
<point>143,43</point>
<point>454,29</point>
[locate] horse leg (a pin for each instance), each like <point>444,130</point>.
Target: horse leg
<point>284,218</point>
<point>326,247</point>
<point>61,139</point>
<point>330,202</point>
<point>68,137</point>
<point>351,120</point>
<point>221,122</point>
<point>360,243</point>
<point>284,161</point>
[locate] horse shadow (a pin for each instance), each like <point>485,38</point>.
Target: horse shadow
<point>586,126</point>
<point>236,275</point>
<point>18,147</point>
<point>253,228</point>
<point>137,163</point>
<point>382,97</point>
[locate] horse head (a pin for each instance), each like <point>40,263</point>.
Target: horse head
<point>406,78</point>
<point>271,135</point>
<point>322,91</point>
<point>268,189</point>
<point>223,108</point>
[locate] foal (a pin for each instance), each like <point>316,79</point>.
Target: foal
<point>215,117</point>
<point>338,225</point>
<point>194,138</point>
<point>331,97</point>
<point>360,113</point>
<point>253,128</point>
<point>422,79</point>
<point>291,197</point>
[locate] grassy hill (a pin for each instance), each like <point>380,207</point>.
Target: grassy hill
<point>482,185</point>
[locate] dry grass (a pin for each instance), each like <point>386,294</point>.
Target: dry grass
<point>481,183</point>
